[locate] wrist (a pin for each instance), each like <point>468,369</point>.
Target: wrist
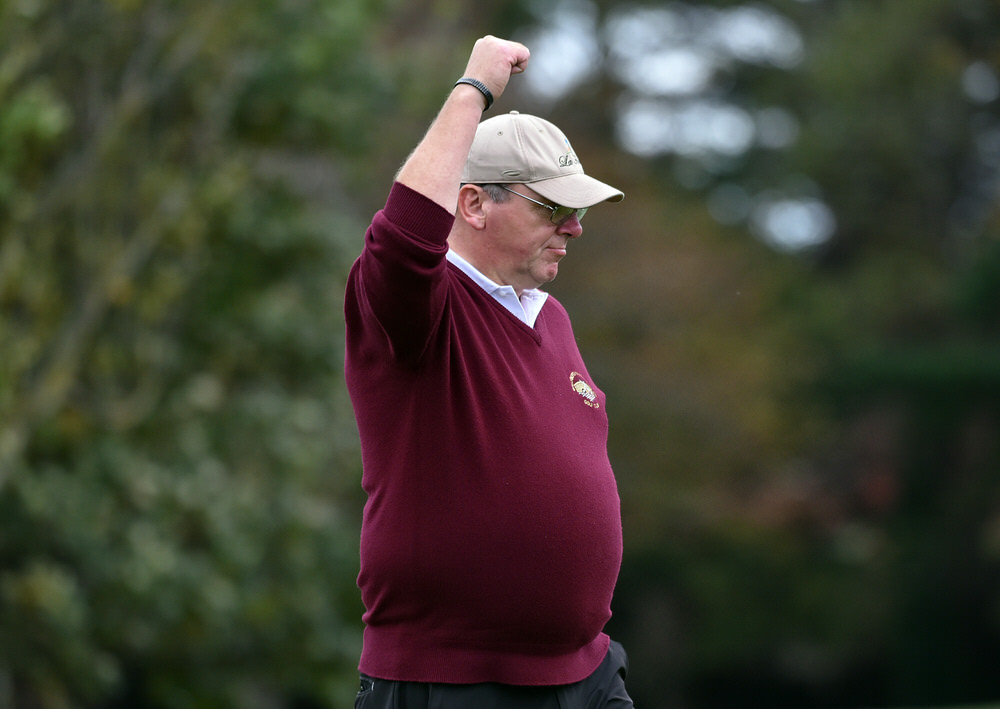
<point>479,86</point>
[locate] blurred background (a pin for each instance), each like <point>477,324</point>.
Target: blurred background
<point>795,314</point>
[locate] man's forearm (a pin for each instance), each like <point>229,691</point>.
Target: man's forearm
<point>434,168</point>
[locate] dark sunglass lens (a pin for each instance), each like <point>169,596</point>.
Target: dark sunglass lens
<point>561,214</point>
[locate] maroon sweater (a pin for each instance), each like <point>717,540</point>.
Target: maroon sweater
<point>491,539</point>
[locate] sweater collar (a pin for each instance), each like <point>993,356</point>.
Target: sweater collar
<point>526,308</point>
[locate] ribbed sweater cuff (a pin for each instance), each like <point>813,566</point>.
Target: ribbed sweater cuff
<point>416,214</point>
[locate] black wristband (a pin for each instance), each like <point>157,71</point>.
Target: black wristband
<point>487,94</point>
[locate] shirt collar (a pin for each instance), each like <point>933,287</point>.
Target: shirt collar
<point>526,308</point>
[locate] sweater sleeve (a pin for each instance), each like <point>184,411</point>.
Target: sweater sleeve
<point>397,290</point>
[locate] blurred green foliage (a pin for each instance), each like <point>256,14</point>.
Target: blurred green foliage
<point>178,473</point>
<point>807,444</point>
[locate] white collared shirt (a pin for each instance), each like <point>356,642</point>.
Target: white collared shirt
<point>525,308</point>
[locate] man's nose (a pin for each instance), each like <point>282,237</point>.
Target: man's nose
<point>571,227</point>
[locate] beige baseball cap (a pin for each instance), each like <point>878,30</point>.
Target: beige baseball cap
<point>517,148</point>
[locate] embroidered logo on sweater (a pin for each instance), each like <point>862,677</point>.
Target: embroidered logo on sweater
<point>581,387</point>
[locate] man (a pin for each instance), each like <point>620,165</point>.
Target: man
<point>491,539</point>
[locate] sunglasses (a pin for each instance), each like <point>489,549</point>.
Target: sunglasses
<point>557,214</point>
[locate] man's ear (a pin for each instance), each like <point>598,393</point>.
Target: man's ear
<point>473,204</point>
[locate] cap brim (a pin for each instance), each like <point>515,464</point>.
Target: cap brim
<point>576,191</point>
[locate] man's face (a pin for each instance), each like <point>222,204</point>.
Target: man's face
<point>525,246</point>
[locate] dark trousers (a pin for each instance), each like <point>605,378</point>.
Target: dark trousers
<point>604,689</point>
